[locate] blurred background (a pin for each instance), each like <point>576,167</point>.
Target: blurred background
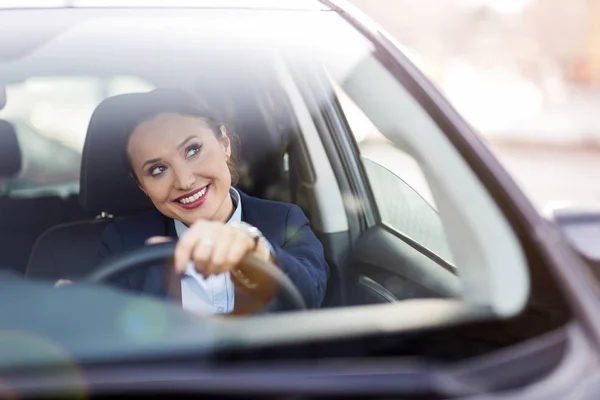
<point>524,73</point>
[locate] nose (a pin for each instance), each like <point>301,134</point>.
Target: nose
<point>184,178</point>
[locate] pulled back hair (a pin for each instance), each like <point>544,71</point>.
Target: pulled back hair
<point>161,101</point>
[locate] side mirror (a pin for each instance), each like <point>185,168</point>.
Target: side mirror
<point>581,227</point>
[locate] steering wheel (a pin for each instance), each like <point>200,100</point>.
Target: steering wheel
<point>270,289</point>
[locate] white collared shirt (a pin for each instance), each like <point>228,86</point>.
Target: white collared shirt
<point>215,294</point>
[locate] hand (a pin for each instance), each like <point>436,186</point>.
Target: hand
<point>214,248</point>
<point>62,282</point>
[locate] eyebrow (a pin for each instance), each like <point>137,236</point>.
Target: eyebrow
<point>155,160</point>
<point>185,141</point>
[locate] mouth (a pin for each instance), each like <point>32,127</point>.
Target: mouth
<point>193,199</point>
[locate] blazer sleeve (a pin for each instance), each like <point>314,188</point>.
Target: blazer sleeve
<point>302,258</point>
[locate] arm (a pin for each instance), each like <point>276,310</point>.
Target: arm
<point>110,243</point>
<point>301,257</point>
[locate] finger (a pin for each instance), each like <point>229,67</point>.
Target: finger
<point>224,243</point>
<point>237,251</point>
<point>263,251</point>
<point>62,282</point>
<point>202,252</point>
<point>158,239</point>
<point>184,251</point>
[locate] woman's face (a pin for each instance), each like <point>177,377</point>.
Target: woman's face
<point>181,165</point>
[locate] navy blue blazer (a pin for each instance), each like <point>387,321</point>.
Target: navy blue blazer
<point>297,250</point>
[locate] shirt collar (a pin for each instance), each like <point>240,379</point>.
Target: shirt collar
<point>180,227</point>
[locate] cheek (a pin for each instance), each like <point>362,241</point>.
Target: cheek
<point>213,167</point>
<point>222,172</point>
<point>156,189</point>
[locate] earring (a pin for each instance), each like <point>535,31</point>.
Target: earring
<point>227,158</point>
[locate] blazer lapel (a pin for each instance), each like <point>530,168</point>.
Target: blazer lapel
<point>170,230</point>
<point>258,216</point>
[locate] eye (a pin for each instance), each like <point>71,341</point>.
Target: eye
<point>156,170</point>
<point>192,150</point>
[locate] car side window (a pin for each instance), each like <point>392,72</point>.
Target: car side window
<point>402,195</point>
<point>50,116</point>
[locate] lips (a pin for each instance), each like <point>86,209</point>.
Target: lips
<point>193,199</point>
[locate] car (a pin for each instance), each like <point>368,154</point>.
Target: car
<point>445,281</point>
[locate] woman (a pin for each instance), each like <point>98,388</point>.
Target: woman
<point>179,152</point>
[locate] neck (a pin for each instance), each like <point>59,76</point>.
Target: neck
<point>226,210</point>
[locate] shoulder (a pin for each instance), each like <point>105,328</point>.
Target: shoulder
<point>255,204</point>
<point>273,218</point>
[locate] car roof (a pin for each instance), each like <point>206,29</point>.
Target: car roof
<point>233,4</point>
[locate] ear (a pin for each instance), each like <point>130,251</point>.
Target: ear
<point>225,141</point>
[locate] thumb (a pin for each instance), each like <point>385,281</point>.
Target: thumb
<point>158,239</point>
<point>62,282</point>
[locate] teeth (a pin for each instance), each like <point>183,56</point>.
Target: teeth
<point>193,198</point>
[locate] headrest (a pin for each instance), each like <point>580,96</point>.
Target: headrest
<point>10,151</point>
<point>105,183</point>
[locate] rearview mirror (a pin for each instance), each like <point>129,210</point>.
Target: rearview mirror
<point>581,227</point>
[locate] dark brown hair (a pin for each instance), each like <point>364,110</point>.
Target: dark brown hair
<point>160,101</point>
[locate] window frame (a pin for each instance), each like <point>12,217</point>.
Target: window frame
<point>340,129</point>
<point>486,280</point>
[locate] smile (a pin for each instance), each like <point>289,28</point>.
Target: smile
<point>193,199</point>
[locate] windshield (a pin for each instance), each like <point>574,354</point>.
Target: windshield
<point>236,132</point>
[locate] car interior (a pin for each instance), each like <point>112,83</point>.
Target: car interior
<point>294,145</point>
<point>23,220</point>
<point>283,154</point>
<point>271,159</point>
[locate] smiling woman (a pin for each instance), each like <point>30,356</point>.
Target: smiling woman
<point>179,179</point>
<point>179,152</point>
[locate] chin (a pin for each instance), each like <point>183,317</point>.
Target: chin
<point>189,217</point>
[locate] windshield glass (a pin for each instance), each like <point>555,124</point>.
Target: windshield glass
<point>246,142</point>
